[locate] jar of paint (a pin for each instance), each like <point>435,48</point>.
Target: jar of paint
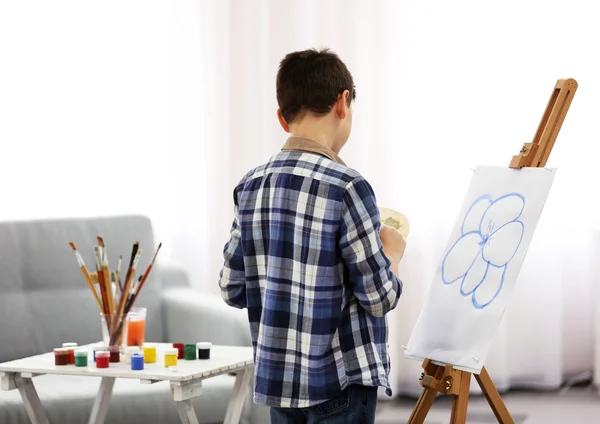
<point>128,352</point>
<point>81,358</point>
<point>149,354</point>
<point>98,349</point>
<point>180,350</point>
<point>71,347</point>
<point>137,362</point>
<point>204,350</point>
<point>102,359</point>
<point>115,353</point>
<point>61,356</point>
<point>190,352</point>
<point>171,356</point>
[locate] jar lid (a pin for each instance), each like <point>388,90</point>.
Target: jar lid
<point>172,351</point>
<point>178,344</point>
<point>137,356</point>
<point>69,344</point>
<point>150,348</point>
<point>103,347</point>
<point>114,349</point>
<point>81,352</point>
<point>61,350</point>
<point>131,349</point>
<point>204,345</point>
<point>102,354</point>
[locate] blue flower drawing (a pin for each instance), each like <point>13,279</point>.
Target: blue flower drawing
<point>491,234</point>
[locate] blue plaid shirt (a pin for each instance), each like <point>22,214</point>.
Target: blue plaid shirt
<point>306,260</point>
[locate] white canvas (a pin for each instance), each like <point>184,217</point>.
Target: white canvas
<point>480,266</point>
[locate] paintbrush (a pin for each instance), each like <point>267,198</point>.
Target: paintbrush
<point>145,276</point>
<point>106,275</point>
<point>86,274</point>
<point>103,292</point>
<point>115,287</point>
<point>119,273</point>
<point>127,286</point>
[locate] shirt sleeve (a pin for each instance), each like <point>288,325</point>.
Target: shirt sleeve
<point>375,286</point>
<point>233,277</point>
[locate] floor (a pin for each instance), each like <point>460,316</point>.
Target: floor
<point>572,406</point>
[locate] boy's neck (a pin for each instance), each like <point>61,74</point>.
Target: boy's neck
<point>316,128</point>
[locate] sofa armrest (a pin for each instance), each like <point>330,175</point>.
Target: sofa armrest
<point>193,316</point>
<point>172,275</point>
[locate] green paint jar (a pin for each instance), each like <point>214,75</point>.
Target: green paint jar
<point>189,351</point>
<point>81,358</point>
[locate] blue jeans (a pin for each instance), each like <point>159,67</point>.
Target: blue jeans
<point>356,405</point>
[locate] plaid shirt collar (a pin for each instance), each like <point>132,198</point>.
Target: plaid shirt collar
<point>300,144</point>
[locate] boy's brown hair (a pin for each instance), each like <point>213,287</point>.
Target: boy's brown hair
<point>311,81</point>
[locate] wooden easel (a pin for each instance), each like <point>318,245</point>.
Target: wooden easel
<point>444,378</point>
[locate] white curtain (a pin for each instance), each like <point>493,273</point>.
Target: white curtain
<point>159,107</point>
<point>442,87</point>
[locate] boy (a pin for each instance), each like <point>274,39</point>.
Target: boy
<point>309,258</point>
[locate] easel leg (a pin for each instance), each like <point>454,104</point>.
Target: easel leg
<point>461,402</point>
<point>493,397</point>
<point>428,394</point>
<point>34,407</point>
<point>423,406</point>
<point>100,408</point>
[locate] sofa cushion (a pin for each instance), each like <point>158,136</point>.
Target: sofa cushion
<point>69,400</point>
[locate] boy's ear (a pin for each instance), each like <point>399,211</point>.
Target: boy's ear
<point>282,122</point>
<point>341,105</point>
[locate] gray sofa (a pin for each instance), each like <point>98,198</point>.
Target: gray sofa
<point>45,302</point>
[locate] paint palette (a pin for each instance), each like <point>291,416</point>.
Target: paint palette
<point>395,219</point>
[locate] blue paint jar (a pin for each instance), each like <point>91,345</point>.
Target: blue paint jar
<point>137,362</point>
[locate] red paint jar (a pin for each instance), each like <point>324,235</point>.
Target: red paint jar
<point>115,353</point>
<point>102,359</point>
<point>61,356</point>
<point>71,347</point>
<point>180,349</point>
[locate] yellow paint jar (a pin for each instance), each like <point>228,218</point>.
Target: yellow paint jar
<point>149,354</point>
<point>171,357</point>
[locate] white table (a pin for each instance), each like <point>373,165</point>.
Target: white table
<point>186,381</point>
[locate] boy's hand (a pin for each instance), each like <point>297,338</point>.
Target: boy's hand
<point>393,243</point>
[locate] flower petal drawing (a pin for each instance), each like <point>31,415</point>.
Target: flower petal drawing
<point>490,288</point>
<point>502,245</point>
<point>460,257</point>
<point>475,275</point>
<point>490,236</point>
<point>475,213</point>
<point>503,210</point>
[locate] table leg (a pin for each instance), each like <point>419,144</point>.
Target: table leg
<point>187,414</point>
<point>100,408</point>
<point>236,402</point>
<point>34,407</point>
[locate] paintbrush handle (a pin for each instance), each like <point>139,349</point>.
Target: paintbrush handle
<point>89,282</point>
